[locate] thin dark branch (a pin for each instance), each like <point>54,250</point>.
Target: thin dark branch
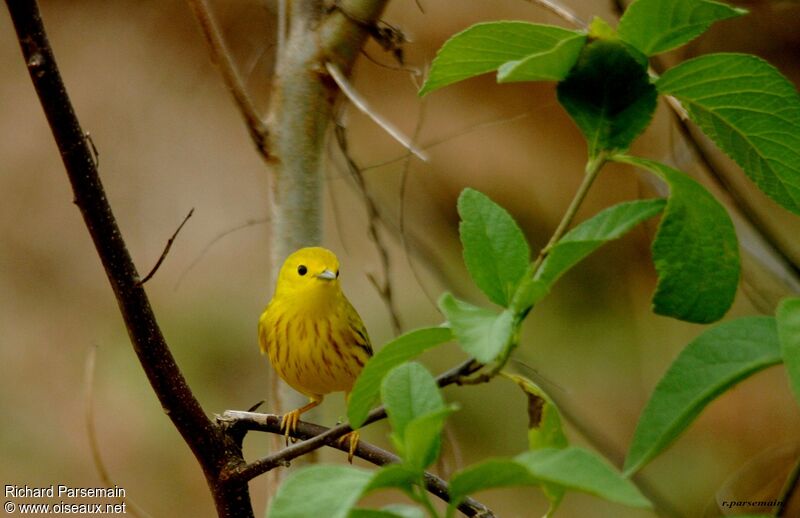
<point>220,55</point>
<point>238,422</point>
<point>383,287</point>
<point>249,223</point>
<point>448,138</point>
<point>279,458</point>
<point>213,449</point>
<point>166,248</point>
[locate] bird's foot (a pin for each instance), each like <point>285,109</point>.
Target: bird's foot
<point>352,437</point>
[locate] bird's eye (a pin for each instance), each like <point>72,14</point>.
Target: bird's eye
<point>302,270</point>
<point>337,274</point>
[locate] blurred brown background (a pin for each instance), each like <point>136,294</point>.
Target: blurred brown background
<point>171,139</point>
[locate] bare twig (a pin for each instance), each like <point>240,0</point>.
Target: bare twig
<point>384,286</point>
<point>238,421</point>
<point>213,449</point>
<point>95,152</point>
<point>219,53</point>
<point>404,175</point>
<point>448,138</point>
<point>166,248</point>
<point>91,432</point>
<point>225,233</point>
<point>249,471</point>
<point>99,465</point>
<point>560,10</point>
<point>361,103</point>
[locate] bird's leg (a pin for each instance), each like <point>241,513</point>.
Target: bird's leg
<point>289,419</point>
<point>352,437</point>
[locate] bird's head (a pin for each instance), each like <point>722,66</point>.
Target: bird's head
<point>309,271</point>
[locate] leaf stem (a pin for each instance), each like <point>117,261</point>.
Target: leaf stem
<point>424,499</point>
<point>593,167</point>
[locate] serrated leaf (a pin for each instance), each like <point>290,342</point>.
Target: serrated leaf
<point>495,250</point>
<point>484,47</point>
<point>656,26</point>
<point>581,470</point>
<point>788,317</point>
<point>711,364</point>
<point>695,251</point>
<point>409,391</point>
<point>750,111</point>
<point>481,333</point>
<point>609,95</point>
<point>336,489</point>
<point>366,392</point>
<point>552,64</point>
<point>544,419</point>
<point>611,223</point>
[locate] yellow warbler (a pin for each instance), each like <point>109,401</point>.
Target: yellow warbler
<point>314,337</point>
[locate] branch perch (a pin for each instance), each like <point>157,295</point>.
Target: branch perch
<point>238,422</point>
<point>279,458</point>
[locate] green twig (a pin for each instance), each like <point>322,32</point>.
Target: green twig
<point>593,167</point>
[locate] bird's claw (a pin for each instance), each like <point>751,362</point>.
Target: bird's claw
<point>289,424</point>
<point>352,437</point>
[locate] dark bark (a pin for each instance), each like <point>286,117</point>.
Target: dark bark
<point>213,449</point>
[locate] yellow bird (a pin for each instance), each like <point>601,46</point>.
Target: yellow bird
<point>314,337</point>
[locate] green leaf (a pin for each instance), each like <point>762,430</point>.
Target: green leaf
<point>484,47</point>
<point>554,470</point>
<point>336,489</point>
<point>656,26</point>
<point>788,317</point>
<point>489,474</point>
<point>495,250</point>
<point>695,250</point>
<point>544,419</point>
<point>366,391</point>
<point>497,473</point>
<point>609,115</point>
<point>423,438</point>
<point>750,111</point>
<point>393,475</point>
<point>481,333</point>
<point>552,64</point>
<point>409,391</point>
<point>599,29</point>
<point>714,362</point>
<point>581,470</point>
<point>611,223</point>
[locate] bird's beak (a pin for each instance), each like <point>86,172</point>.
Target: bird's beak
<point>326,275</point>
